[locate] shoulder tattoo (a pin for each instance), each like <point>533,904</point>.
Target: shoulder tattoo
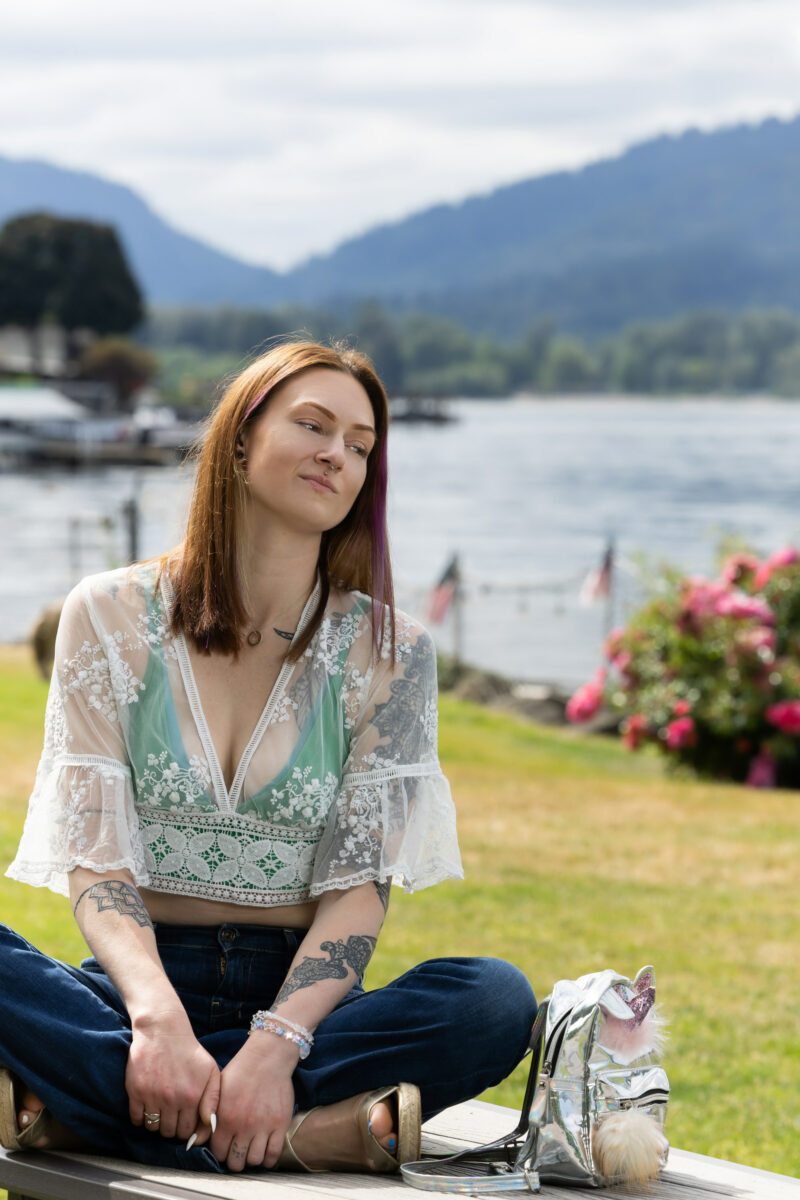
<point>384,891</point>
<point>112,895</point>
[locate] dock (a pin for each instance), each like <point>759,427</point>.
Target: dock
<point>63,1176</point>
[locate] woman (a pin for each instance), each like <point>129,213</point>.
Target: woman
<point>228,860</point>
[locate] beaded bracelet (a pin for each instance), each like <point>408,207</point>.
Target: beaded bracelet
<point>303,1046</point>
<point>301,1029</point>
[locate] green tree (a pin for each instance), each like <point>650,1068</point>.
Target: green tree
<point>123,364</point>
<point>28,275</point>
<point>376,334</point>
<point>95,288</point>
<point>525,358</point>
<point>73,273</point>
<point>567,367</point>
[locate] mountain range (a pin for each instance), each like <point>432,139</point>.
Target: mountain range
<point>697,220</point>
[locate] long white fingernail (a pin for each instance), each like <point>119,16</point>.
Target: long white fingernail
<point>191,1141</point>
<point>212,1120</point>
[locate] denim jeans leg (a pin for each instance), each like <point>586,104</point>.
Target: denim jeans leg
<point>453,1026</point>
<point>66,1035</point>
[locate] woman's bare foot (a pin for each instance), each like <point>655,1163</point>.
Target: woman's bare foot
<point>58,1137</point>
<point>381,1125</point>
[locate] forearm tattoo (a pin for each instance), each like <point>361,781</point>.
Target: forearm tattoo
<point>383,890</point>
<point>111,895</point>
<point>355,954</point>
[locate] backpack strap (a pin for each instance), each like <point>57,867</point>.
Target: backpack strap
<point>442,1173</point>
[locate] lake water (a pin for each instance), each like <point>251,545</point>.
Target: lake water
<point>527,492</point>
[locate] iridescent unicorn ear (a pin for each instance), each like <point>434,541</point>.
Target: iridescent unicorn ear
<point>642,1031</point>
<point>644,994</point>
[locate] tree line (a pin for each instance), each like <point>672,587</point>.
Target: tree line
<point>420,354</point>
<point>75,274</point>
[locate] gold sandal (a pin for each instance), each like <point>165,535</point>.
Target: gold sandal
<point>341,1118</point>
<point>11,1136</point>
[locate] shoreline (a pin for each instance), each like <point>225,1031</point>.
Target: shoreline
<point>541,701</point>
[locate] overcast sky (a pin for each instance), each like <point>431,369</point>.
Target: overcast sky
<point>274,130</point>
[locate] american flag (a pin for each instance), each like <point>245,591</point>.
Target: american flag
<point>598,581</point>
<point>442,595</point>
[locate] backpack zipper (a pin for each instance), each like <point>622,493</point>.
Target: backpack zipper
<point>554,1043</point>
<point>652,1096</point>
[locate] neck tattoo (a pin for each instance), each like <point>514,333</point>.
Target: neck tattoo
<point>254,636</point>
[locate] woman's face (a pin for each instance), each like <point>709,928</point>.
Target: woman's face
<point>306,453</point>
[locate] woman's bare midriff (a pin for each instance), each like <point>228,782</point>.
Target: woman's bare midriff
<point>185,910</point>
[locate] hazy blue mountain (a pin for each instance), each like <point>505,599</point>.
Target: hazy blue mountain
<point>698,220</point>
<point>171,267</point>
<point>674,223</point>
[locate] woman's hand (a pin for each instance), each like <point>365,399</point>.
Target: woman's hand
<point>256,1103</point>
<point>170,1073</point>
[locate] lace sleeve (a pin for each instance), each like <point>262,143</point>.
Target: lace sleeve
<point>81,811</point>
<point>394,816</point>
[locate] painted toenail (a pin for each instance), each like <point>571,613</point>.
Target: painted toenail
<point>25,1119</point>
<point>392,1143</point>
<point>369,1126</point>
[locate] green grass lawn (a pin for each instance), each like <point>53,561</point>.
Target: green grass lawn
<point>578,856</point>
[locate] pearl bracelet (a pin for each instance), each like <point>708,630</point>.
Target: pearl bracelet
<point>259,1023</point>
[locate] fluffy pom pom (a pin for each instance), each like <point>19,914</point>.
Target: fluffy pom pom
<point>629,1147</point>
<point>628,1040</point>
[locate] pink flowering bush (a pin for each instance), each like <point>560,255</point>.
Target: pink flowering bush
<point>709,671</point>
<point>588,698</point>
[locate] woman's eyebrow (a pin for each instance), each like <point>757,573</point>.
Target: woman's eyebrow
<point>332,416</point>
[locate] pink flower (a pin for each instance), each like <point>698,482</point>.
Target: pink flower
<point>755,640</point>
<point>762,771</point>
<point>738,567</point>
<point>622,661</point>
<point>702,596</point>
<point>785,716</point>
<point>585,702</point>
<point>681,733</point>
<point>611,644</point>
<point>634,730</point>
<point>739,604</point>
<point>784,557</point>
<point>681,708</point>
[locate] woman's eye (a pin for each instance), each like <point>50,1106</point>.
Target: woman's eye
<point>313,425</point>
<point>359,449</point>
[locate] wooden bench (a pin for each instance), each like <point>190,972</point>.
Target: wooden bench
<point>62,1176</point>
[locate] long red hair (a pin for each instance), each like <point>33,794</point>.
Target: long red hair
<point>209,602</point>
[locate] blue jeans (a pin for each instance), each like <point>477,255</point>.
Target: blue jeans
<point>453,1026</point>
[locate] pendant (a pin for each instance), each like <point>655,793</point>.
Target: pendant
<point>254,637</point>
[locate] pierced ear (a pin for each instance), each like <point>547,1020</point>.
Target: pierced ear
<point>239,451</point>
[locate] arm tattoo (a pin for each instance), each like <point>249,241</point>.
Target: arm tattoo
<point>383,890</point>
<point>113,895</point>
<point>356,954</point>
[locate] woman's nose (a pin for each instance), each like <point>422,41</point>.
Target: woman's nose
<point>333,453</point>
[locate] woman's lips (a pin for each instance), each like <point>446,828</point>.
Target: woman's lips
<point>319,483</point>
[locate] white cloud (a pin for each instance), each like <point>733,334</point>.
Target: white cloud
<point>274,130</point>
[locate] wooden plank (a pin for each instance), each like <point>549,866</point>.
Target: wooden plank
<point>62,1176</point>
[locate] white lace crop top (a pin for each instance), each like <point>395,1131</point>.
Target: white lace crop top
<point>339,784</point>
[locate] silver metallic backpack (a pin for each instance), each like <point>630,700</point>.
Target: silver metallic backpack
<point>595,1103</point>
